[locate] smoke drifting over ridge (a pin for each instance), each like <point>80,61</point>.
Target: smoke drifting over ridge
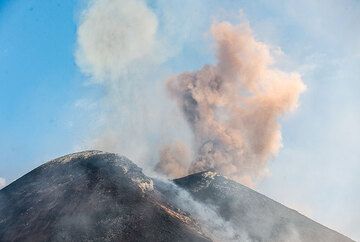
<point>233,107</point>
<point>117,48</point>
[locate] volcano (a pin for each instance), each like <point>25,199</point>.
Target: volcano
<point>99,196</point>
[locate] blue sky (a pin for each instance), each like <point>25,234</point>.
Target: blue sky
<point>315,172</point>
<point>37,81</point>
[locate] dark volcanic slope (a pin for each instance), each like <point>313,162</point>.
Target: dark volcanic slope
<point>262,218</point>
<point>90,196</point>
<point>98,196</point>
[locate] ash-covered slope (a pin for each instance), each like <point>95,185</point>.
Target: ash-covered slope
<point>90,196</point>
<point>262,218</point>
<point>98,196</point>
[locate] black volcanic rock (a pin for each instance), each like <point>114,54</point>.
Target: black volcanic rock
<point>98,196</point>
<point>90,196</point>
<point>262,218</point>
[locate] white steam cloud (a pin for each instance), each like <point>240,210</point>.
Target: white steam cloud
<point>113,36</point>
<point>118,48</point>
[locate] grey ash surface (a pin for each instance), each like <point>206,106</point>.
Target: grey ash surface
<point>98,196</point>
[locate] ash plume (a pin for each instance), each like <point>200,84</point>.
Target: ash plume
<point>174,160</point>
<point>233,107</point>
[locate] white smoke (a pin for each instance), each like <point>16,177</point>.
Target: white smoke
<point>118,49</point>
<point>113,36</point>
<point>211,222</point>
<point>2,182</point>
